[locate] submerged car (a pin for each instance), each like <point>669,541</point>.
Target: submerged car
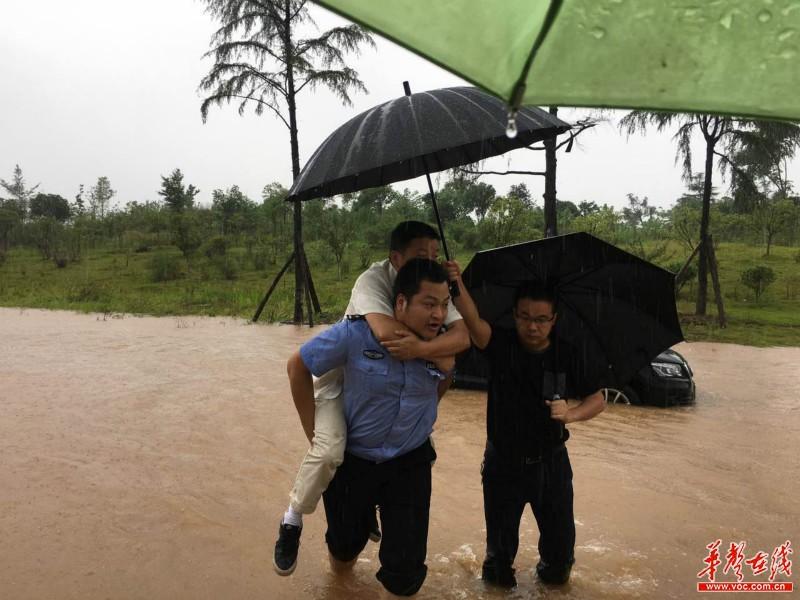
<point>667,381</point>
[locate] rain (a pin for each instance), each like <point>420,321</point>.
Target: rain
<point>343,299</point>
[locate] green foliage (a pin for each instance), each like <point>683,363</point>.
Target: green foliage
<point>216,246</point>
<point>177,197</point>
<point>100,197</point>
<point>227,266</point>
<point>233,211</point>
<point>758,279</point>
<point>50,205</point>
<point>21,194</point>
<point>164,267</point>
<point>186,233</point>
<point>508,221</point>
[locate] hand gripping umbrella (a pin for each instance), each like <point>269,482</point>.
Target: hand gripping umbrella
<point>416,135</point>
<point>735,57</point>
<point>616,308</point>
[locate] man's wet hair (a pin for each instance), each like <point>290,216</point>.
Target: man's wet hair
<point>537,291</point>
<point>413,273</point>
<point>407,231</point>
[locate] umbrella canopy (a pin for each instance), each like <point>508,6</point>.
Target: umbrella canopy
<point>618,309</point>
<point>415,135</point>
<point>724,57</point>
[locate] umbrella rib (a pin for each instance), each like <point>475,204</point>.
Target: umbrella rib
<point>478,106</point>
<point>549,18</point>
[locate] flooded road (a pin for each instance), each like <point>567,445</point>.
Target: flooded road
<point>152,457</point>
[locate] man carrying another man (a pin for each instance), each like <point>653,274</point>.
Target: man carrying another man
<point>372,297</point>
<point>390,407</point>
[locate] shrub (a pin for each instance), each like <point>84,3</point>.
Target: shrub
<point>227,266</point>
<point>758,279</point>
<point>164,267</point>
<point>216,246</point>
<point>260,260</point>
<point>90,291</point>
<point>363,253</point>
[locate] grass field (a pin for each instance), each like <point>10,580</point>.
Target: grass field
<point>107,280</point>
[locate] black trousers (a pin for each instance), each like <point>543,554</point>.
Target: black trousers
<point>546,484</point>
<point>401,487</point>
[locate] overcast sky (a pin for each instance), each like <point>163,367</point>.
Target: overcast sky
<point>105,87</point>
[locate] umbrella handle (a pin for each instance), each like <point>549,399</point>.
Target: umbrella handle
<point>454,291</point>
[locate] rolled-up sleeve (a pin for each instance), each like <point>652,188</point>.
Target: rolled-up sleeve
<point>328,350</point>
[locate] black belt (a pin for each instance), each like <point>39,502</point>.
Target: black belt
<point>548,453</point>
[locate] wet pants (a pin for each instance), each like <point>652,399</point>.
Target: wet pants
<point>544,482</point>
<point>401,487</point>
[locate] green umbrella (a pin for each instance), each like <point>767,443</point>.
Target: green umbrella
<point>739,57</point>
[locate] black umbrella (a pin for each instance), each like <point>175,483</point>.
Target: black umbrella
<point>416,135</point>
<point>616,308</point>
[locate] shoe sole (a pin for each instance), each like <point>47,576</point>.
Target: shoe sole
<point>284,572</point>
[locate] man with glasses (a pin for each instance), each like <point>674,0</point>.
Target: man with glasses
<point>531,376</point>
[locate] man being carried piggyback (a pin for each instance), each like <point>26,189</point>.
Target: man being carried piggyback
<point>531,375</point>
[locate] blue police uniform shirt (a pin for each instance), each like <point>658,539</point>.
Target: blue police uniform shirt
<point>389,405</point>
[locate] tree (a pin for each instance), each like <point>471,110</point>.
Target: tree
<point>79,205</point>
<point>99,197</point>
<point>507,222</point>
<point>586,208</point>
<point>758,279</point>
<point>758,161</point>
<point>521,192</point>
<point>177,197</point>
<point>638,211</point>
<point>375,199</point>
<point>718,132</point>
<point>260,61</point>
<point>9,220</point>
<point>771,216</point>
<point>50,205</point>
<point>231,208</point>
<point>21,194</point>
<point>337,231</point>
<point>276,209</point>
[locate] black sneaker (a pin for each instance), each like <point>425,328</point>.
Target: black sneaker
<point>374,529</point>
<point>285,558</point>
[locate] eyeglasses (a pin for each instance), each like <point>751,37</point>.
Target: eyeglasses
<point>534,320</point>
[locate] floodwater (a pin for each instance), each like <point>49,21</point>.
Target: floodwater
<point>151,458</point>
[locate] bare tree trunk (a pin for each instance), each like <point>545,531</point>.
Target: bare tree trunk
<point>299,262</point>
<point>550,213</point>
<point>712,264</point>
<point>702,267</point>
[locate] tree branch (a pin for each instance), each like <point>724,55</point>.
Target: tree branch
<point>473,172</point>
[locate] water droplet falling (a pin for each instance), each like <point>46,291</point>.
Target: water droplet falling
<point>511,126</point>
<point>764,16</point>
<point>786,34</point>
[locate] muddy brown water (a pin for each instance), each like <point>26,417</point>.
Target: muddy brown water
<point>151,458</point>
